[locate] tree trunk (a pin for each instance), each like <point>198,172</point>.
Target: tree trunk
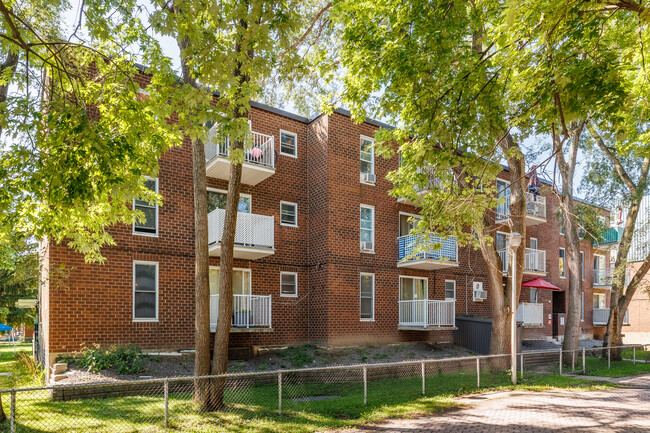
<point>3,417</point>
<point>201,254</point>
<point>11,61</point>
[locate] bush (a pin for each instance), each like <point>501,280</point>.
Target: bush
<point>125,360</point>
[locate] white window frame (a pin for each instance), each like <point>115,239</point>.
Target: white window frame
<point>582,265</point>
<point>153,235</point>
<point>582,306</point>
<point>534,290</point>
<point>144,262</point>
<point>599,295</point>
<point>367,206</point>
<point>372,308</point>
<point>558,262</point>
<point>295,138</point>
<point>363,138</point>
<point>295,279</point>
<point>295,205</point>
<point>412,277</point>
<point>223,191</point>
<point>446,298</point>
<point>530,241</point>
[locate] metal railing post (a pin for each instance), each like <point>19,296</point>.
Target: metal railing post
<point>422,367</point>
<point>166,385</point>
<point>584,362</point>
<point>478,372</point>
<point>279,393</point>
<point>365,385</point>
<point>12,416</point>
<point>634,355</point>
<point>521,362</point>
<point>609,357</point>
<point>560,362</point>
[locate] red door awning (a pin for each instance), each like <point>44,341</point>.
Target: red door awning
<point>540,283</point>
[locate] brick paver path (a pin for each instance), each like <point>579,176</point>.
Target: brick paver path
<point>617,410</point>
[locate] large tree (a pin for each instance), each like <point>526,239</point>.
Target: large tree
<point>229,47</point>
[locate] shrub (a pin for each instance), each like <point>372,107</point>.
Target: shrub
<point>125,360</point>
<point>35,369</point>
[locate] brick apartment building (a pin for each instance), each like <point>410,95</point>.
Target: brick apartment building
<point>322,254</point>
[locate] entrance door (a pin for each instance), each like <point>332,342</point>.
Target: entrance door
<point>413,296</point>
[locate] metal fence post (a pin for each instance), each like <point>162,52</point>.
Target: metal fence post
<point>365,385</point>
<point>478,372</point>
<point>584,362</point>
<point>560,362</point>
<point>422,367</point>
<point>645,351</point>
<point>166,385</point>
<point>634,355</point>
<point>279,393</point>
<point>573,361</point>
<point>12,416</point>
<point>609,357</point>
<point>521,362</point>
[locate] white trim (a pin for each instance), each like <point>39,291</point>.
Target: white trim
<point>144,262</point>
<point>363,138</point>
<point>151,235</point>
<point>295,274</point>
<point>368,206</point>
<point>410,214</point>
<point>450,281</point>
<point>582,306</point>
<point>530,242</point>
<point>558,262</point>
<point>295,136</point>
<point>582,265</point>
<point>371,319</point>
<point>296,208</point>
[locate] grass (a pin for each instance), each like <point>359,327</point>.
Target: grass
<point>640,354</point>
<point>598,367</point>
<point>253,408</point>
<point>21,376</point>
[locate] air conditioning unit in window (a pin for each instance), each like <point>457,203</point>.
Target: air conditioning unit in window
<point>478,292</point>
<point>366,246</point>
<point>368,177</point>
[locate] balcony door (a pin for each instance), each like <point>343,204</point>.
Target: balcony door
<point>217,200</point>
<point>408,223</point>
<point>413,294</point>
<point>503,192</point>
<point>241,285</point>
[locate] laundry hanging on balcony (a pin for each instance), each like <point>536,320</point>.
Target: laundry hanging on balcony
<point>534,184</point>
<point>539,283</point>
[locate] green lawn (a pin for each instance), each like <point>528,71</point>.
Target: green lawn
<point>640,354</point>
<point>598,367</point>
<point>253,409</point>
<point>20,375</point>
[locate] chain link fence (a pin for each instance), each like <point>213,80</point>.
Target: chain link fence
<point>236,399</point>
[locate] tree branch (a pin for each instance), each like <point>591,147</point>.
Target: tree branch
<point>613,159</point>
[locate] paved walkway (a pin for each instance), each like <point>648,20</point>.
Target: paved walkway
<point>618,410</point>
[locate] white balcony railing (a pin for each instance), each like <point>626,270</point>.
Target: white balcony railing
<point>252,230</point>
<point>601,317</point>
<point>603,277</point>
<point>427,313</point>
<point>535,205</point>
<point>261,152</point>
<point>248,311</point>
<point>535,260</point>
<point>530,313</point>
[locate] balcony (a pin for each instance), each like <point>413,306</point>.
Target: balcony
<point>249,311</point>
<point>418,252</point>
<point>609,239</point>
<point>601,316</point>
<point>259,160</point>
<point>530,314</point>
<point>427,313</point>
<point>603,277</point>
<point>535,210</point>
<point>534,261</point>
<point>253,235</point>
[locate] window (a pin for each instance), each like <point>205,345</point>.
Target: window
<point>582,265</point>
<point>367,229</point>
<point>412,288</point>
<point>367,285</point>
<point>562,261</point>
<point>599,269</point>
<point>148,227</point>
<point>288,214</point>
<point>503,193</point>
<point>367,160</point>
<point>502,248</point>
<point>450,290</point>
<point>533,243</point>
<point>241,281</point>
<point>288,143</point>
<point>289,284</point>
<point>217,200</point>
<point>534,295</point>
<point>407,223</point>
<point>599,301</point>
<point>582,307</point>
<point>145,291</point>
